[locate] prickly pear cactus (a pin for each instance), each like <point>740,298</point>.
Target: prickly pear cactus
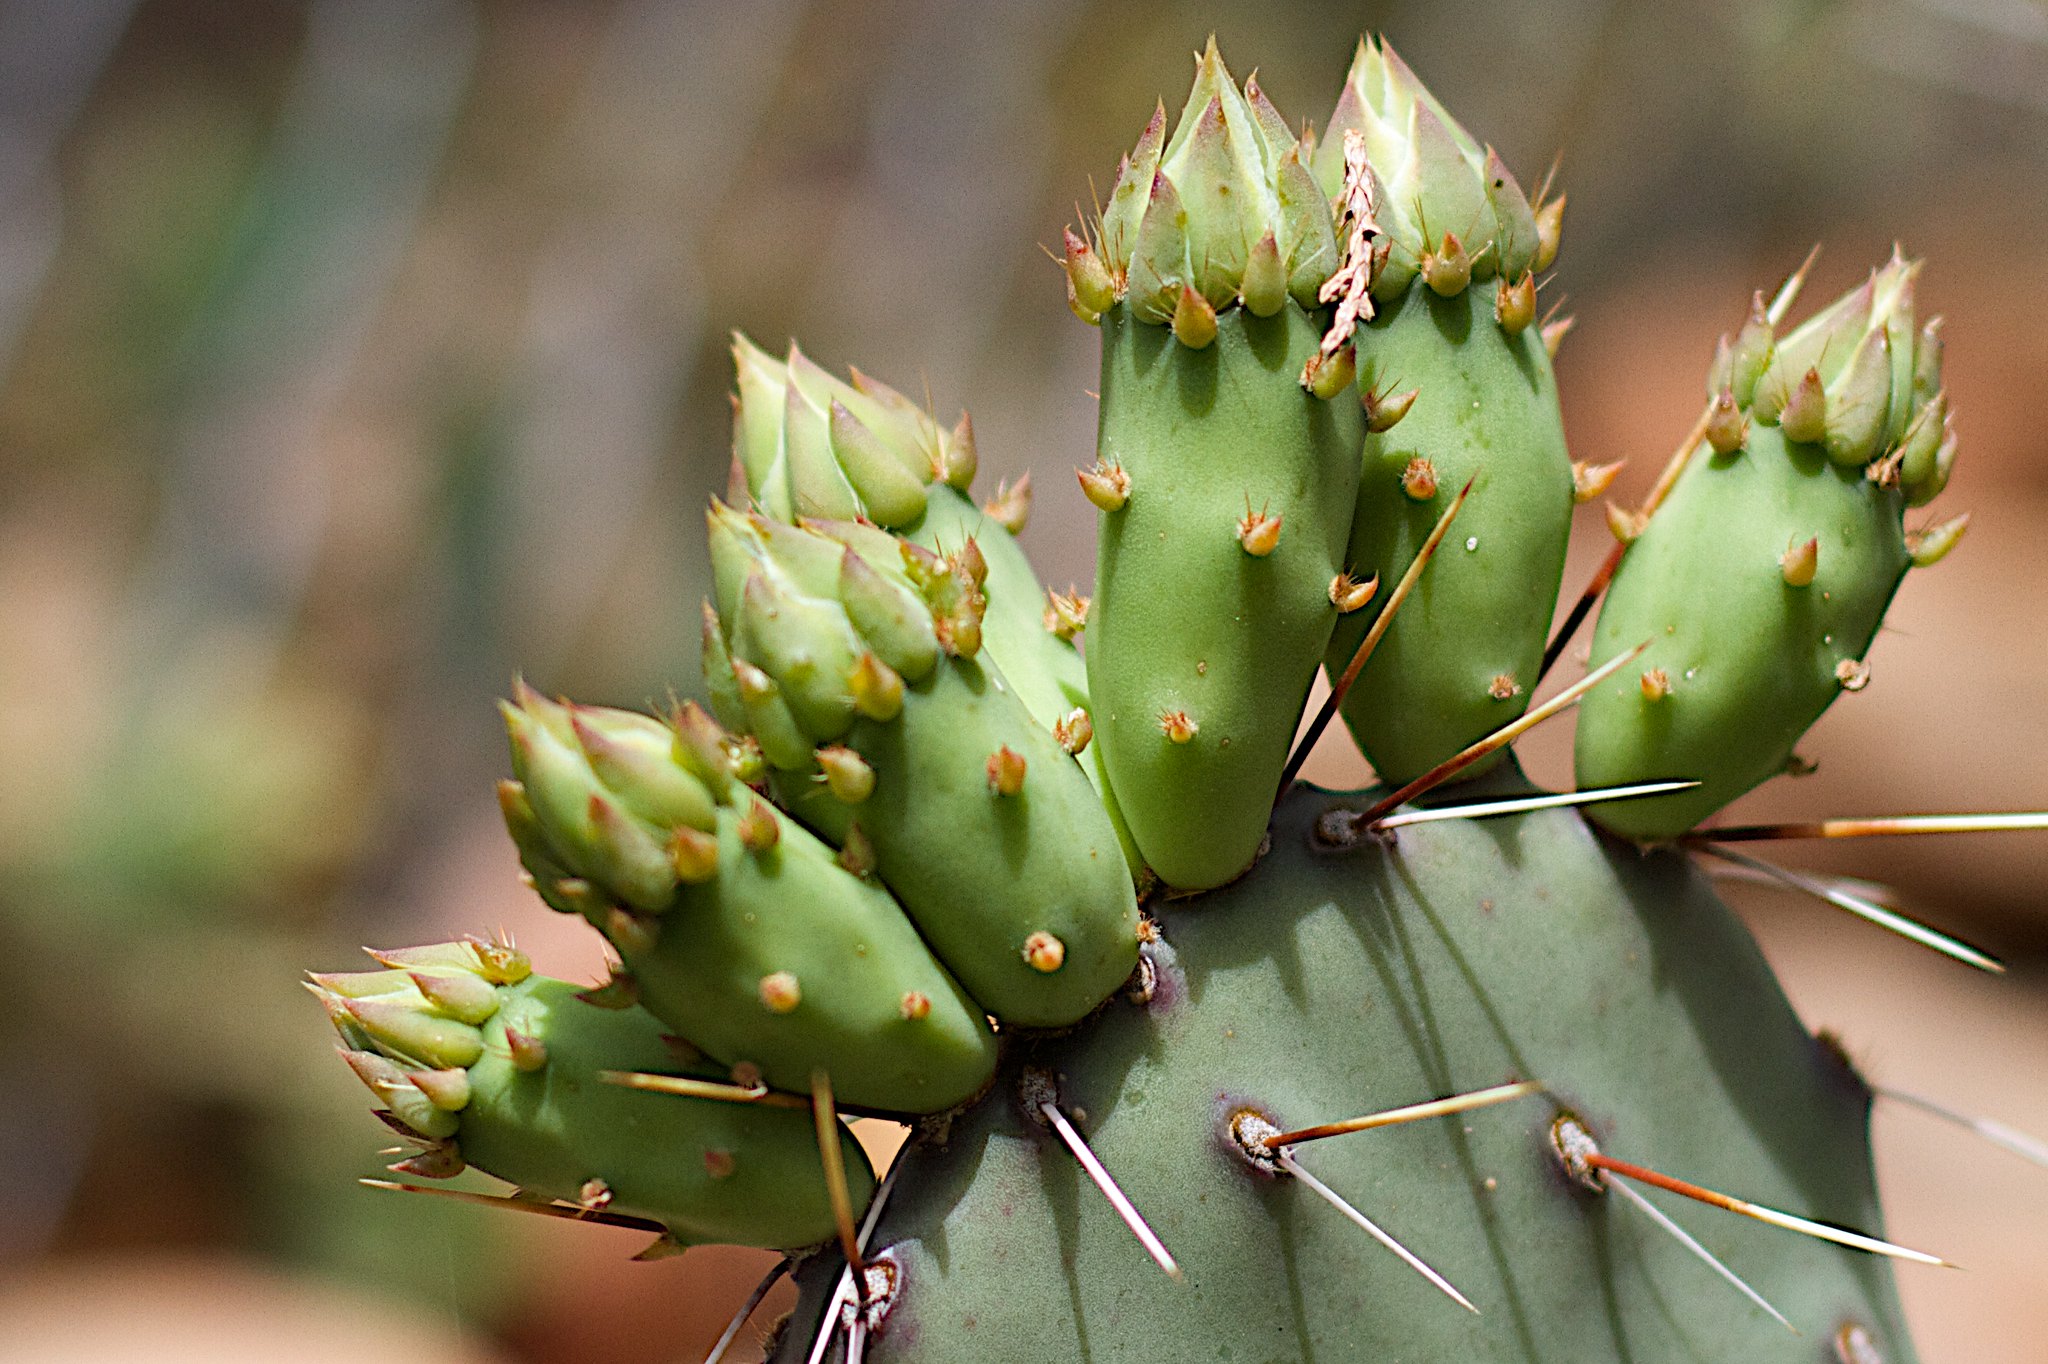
<point>1143,1002</point>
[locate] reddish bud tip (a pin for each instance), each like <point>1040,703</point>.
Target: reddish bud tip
<point>1194,319</point>
<point>1727,429</point>
<point>1258,533</point>
<point>1328,374</point>
<point>1800,562</point>
<point>1005,771</point>
<point>1418,480</point>
<point>1554,334</point>
<point>1043,952</point>
<point>1073,730</point>
<point>876,687</point>
<point>1591,480</point>
<point>694,855</point>
<point>916,1006</point>
<point>1626,526</point>
<point>1177,726</point>
<point>1514,305</point>
<point>1448,269</point>
<point>780,993</point>
<point>759,830</point>
<point>528,1052</point>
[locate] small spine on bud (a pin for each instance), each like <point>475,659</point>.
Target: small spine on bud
<point>846,774</point>
<point>1514,305</point>
<point>1383,413</point>
<point>780,993</point>
<point>1258,533</point>
<point>1106,485</point>
<point>877,688</point>
<point>1549,232</point>
<point>1328,375</point>
<point>1066,613</point>
<point>1178,726</point>
<point>1010,508</point>
<point>1418,480</point>
<point>1448,269</point>
<point>1930,546</point>
<point>1554,334</point>
<point>1044,952</point>
<point>1092,286</point>
<point>1656,684</point>
<point>1727,429</point>
<point>758,828</point>
<point>1194,319</point>
<point>1348,594</point>
<point>1591,480</point>
<point>1073,730</point>
<point>1005,771</point>
<point>1805,417</point>
<point>1265,278</point>
<point>1800,562</point>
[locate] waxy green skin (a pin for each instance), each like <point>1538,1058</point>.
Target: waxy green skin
<point>1183,618</point>
<point>1751,660</point>
<point>1326,985</point>
<point>854,954</point>
<point>550,1130</point>
<point>981,872</point>
<point>1486,405</point>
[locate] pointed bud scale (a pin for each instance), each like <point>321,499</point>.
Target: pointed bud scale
<point>442,1160</point>
<point>527,1051</point>
<point>1516,242</point>
<point>1005,771</point>
<point>1348,595</point>
<point>769,718</point>
<point>759,829</point>
<point>968,559</point>
<point>889,493</point>
<point>1804,417</point>
<point>1328,375</point>
<point>720,687</point>
<point>1073,730</point>
<point>1592,480</point>
<point>1514,305</point>
<point>1418,480</point>
<point>877,688</point>
<point>628,858</point>
<point>1922,441</point>
<point>409,1105</point>
<point>1554,334</point>
<point>1177,726</point>
<point>1624,525</point>
<point>1258,534</point>
<point>1549,233</point>
<point>1106,485</point>
<point>633,934</point>
<point>499,962</point>
<point>1750,355</point>
<point>1265,278</point>
<point>846,774</point>
<point>1859,403</point>
<point>857,852</point>
<point>1726,428</point>
<point>1383,414</point>
<point>356,984</point>
<point>1927,355</point>
<point>780,993</point>
<point>1930,546</point>
<point>1094,289</point>
<point>889,616</point>
<point>1448,269</point>
<point>959,458</point>
<point>634,756</point>
<point>702,747</point>
<point>749,766</point>
<point>445,956</point>
<point>619,991</point>
<point>462,996</point>
<point>1010,508</point>
<point>1800,562</point>
<point>1044,952</point>
<point>1066,613</point>
<point>372,1069</point>
<point>1194,320</point>
<point>448,1090</point>
<point>414,1034</point>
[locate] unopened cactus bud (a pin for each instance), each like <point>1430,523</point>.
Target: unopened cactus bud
<point>1592,480</point>
<point>1930,546</point>
<point>1066,614</point>
<point>1073,730</point>
<point>1382,414</point>
<point>1348,594</point>
<point>1798,564</point>
<point>1005,769</point>
<point>1194,320</point>
<point>846,774</point>
<point>1447,270</point>
<point>1094,288</point>
<point>1418,480</point>
<point>1727,428</point>
<point>1514,306</point>
<point>1010,508</point>
<point>1327,375</point>
<point>1106,485</point>
<point>1258,534</point>
<point>1549,232</point>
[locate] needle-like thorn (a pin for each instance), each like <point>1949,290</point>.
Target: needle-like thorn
<point>1434,1108</point>
<point>739,1318</point>
<point>1364,1223</point>
<point>1685,1239</point>
<point>1117,1199</point>
<point>826,1117</point>
<point>1997,1133</point>
<point>1876,828</point>
<point>702,1089</point>
<point>1863,909</point>
<point>1497,740</point>
<point>1371,640</point>
<point>1520,804</point>
<point>561,1210</point>
<point>1855,1240</point>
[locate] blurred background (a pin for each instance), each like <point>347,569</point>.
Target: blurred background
<point>354,353</point>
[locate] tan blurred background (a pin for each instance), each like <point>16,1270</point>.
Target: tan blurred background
<point>356,352</point>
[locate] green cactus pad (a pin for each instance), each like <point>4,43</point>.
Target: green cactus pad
<point>1321,986</point>
<point>704,916</point>
<point>1763,578</point>
<point>538,1116</point>
<point>1186,621</point>
<point>982,872</point>
<point>1462,656</point>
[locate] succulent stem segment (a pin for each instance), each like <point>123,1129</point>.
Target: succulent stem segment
<point>1209,618</point>
<point>441,1060</point>
<point>1848,425</point>
<point>1450,286</point>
